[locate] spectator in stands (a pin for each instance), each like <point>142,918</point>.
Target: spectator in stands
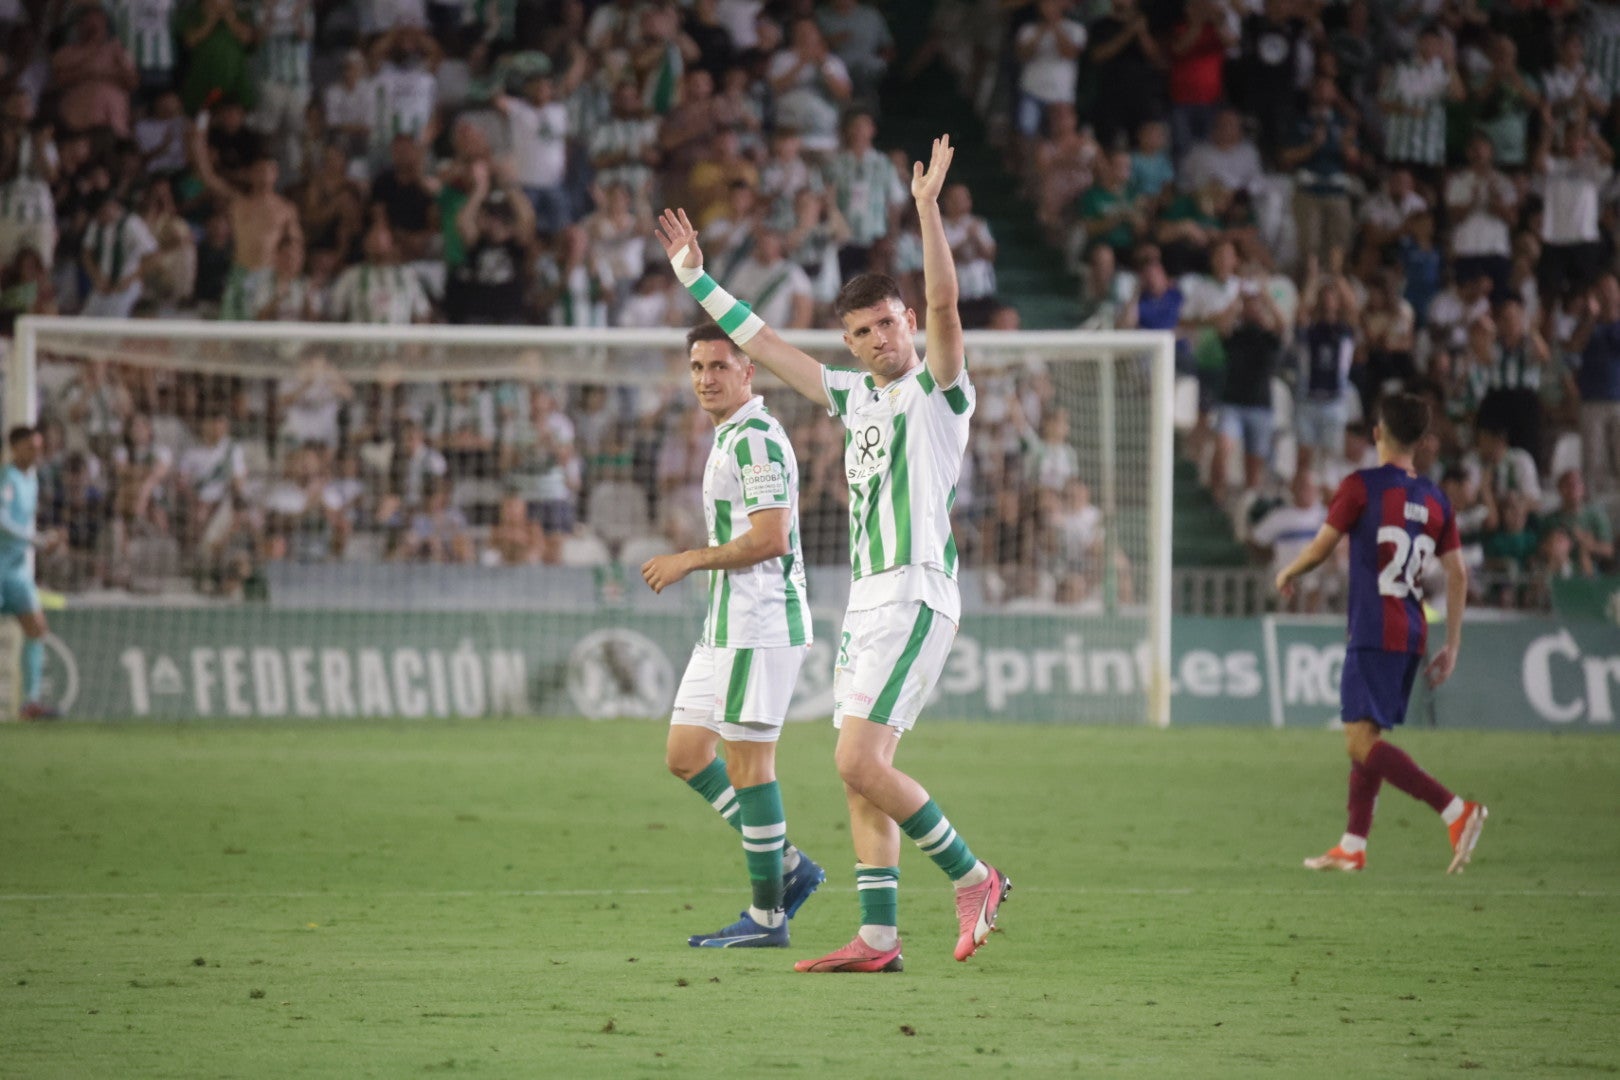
<point>438,531</point>
<point>1198,48</point>
<point>461,422</point>
<point>1387,215</point>
<point>1108,210</point>
<point>259,219</point>
<point>1328,317</point>
<point>407,196</point>
<point>1570,89</point>
<point>1570,183</point>
<point>115,245</point>
<point>28,167</point>
<point>809,85</point>
<point>1286,530</point>
<point>540,459</point>
<point>1509,547</point>
<point>1229,158</point>
<point>1414,98</point>
<point>974,250</point>
<point>1324,157</point>
<point>686,132</point>
<point>1253,347</point>
<point>218,41</point>
<point>783,175</point>
<point>311,401</point>
<point>93,75</point>
<point>1483,205</point>
<point>350,105</point>
<point>574,284</point>
<point>538,127</point>
<point>1128,62</point>
<point>97,405</point>
<point>859,36</point>
<point>778,289</point>
<point>141,469</point>
<point>1048,47</point>
<point>1062,167</point>
<point>1106,289</point>
<point>618,233</point>
<point>1153,173</point>
<point>380,289</point>
<point>1503,470</point>
<point>160,136</point>
<point>1503,102</point>
<point>147,32</point>
<point>1587,526</point>
<point>813,241</point>
<point>867,189</point>
<point>711,182</point>
<point>211,479</point>
<point>402,65</point>
<point>1157,303</point>
<point>703,26</point>
<point>283,46</point>
<point>1519,361</point>
<point>1596,342</point>
<point>25,288</point>
<point>624,148</point>
<point>1274,56</point>
<point>497,226</point>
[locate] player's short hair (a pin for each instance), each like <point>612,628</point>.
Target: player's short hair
<point>1405,417</point>
<point>20,433</point>
<point>864,290</point>
<point>712,332</point>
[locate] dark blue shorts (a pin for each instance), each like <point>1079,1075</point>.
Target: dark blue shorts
<point>1376,685</point>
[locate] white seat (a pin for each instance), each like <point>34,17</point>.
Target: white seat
<point>585,549</point>
<point>639,549</point>
<point>617,511</point>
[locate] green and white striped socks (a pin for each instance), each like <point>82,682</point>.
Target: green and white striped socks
<point>764,831</point>
<point>933,832</point>
<point>879,890</point>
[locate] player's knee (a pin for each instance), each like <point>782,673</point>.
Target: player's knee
<point>685,763</point>
<point>859,772</point>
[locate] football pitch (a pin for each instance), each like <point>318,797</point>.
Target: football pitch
<point>512,899</point>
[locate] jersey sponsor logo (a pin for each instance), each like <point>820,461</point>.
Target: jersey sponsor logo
<point>866,452</point>
<point>764,481</point>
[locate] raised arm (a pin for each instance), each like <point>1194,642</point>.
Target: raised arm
<point>945,357</point>
<point>763,345</point>
<point>200,157</point>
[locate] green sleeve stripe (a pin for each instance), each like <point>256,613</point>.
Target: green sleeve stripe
<point>926,380</point>
<point>731,320</point>
<point>756,425</point>
<point>702,287</point>
<point>839,400</point>
<point>957,399</point>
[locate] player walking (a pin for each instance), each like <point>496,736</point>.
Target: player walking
<point>755,638</point>
<point>907,428</point>
<point>1395,520</point>
<point>19,501</point>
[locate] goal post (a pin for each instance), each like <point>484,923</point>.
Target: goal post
<point>337,438</point>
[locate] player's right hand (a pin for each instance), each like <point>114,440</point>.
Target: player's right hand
<point>1285,585</point>
<point>1441,667</point>
<point>675,232</point>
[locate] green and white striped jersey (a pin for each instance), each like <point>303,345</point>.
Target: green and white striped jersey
<point>752,468</point>
<point>283,55</point>
<point>26,199</point>
<point>903,447</point>
<point>1417,133</point>
<point>146,29</point>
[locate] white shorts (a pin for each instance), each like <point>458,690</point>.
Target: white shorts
<point>889,659</point>
<point>741,695</point>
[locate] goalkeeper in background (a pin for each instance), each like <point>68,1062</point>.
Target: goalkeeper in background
<point>906,424</point>
<point>19,502</point>
<point>755,637</point>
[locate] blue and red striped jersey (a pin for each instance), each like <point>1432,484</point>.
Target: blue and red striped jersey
<point>1396,522</point>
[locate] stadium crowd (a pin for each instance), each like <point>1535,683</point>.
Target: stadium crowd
<point>1336,198</point>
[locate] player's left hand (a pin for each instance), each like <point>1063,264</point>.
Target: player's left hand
<point>1285,585</point>
<point>926,184</point>
<point>1441,667</point>
<point>662,571</point>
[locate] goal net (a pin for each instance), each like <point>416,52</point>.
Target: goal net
<point>341,521</point>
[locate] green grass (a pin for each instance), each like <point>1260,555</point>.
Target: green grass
<point>512,899</point>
